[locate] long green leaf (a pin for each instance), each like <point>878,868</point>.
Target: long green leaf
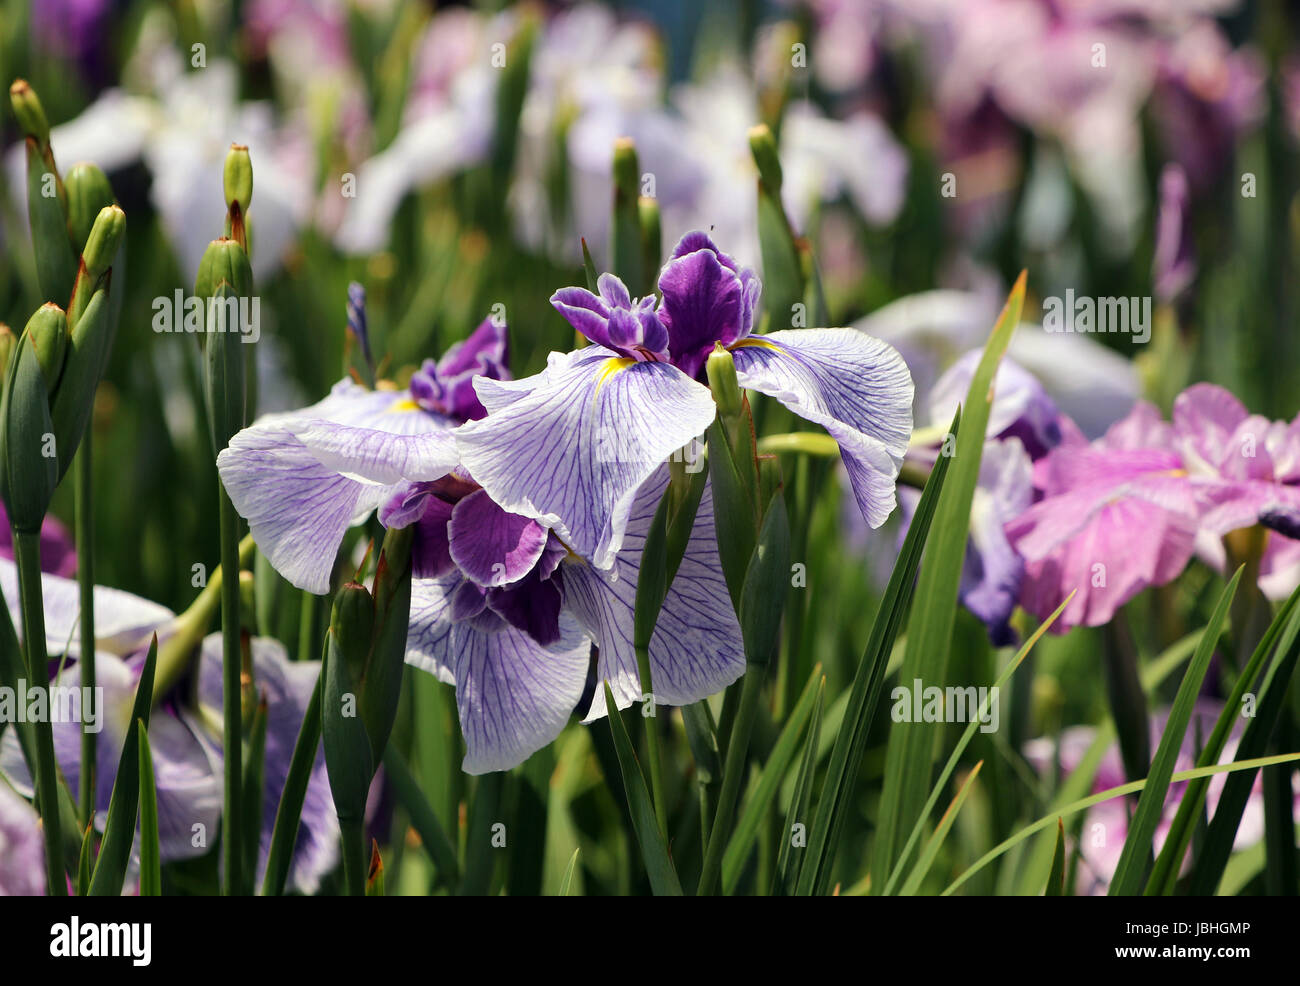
<point>1084,804</point>
<point>929,633</point>
<point>1129,871</point>
<point>1165,873</point>
<point>926,859</point>
<point>851,739</point>
<point>769,781</point>
<point>119,829</point>
<point>788,863</point>
<point>1056,878</point>
<point>1208,868</point>
<point>967,735</point>
<point>150,854</point>
<point>423,817</point>
<point>654,850</point>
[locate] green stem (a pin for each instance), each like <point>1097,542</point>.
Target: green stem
<point>732,775</point>
<point>354,855</point>
<point>652,744</point>
<point>307,617</point>
<point>231,694</point>
<point>27,556</point>
<point>86,584</point>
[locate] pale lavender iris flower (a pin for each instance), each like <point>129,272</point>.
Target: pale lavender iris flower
<point>184,736</point>
<point>571,446</point>
<point>22,847</point>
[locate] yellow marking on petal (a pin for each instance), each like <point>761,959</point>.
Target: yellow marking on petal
<point>610,367</point>
<point>405,404</point>
<point>755,341</point>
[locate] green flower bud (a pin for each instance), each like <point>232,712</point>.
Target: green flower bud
<point>48,333</point>
<point>30,113</point>
<point>103,240</point>
<point>89,192</point>
<point>101,247</point>
<point>238,178</point>
<point>763,146</point>
<point>353,624</point>
<point>721,371</point>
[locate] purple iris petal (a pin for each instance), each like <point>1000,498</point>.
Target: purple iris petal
<point>705,301</point>
<point>513,694</point>
<point>992,570</point>
<point>532,605</point>
<point>572,451</point>
<point>613,319</point>
<point>1021,406</point>
<point>22,864</point>
<point>856,387</point>
<point>447,387</point>
<point>491,546</point>
<point>357,322</point>
<point>696,649</point>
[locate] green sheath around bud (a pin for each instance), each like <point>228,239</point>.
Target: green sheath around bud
<point>30,113</point>
<point>224,261</point>
<point>353,623</point>
<point>48,332</point>
<point>28,463</point>
<point>721,370</point>
<point>89,192</point>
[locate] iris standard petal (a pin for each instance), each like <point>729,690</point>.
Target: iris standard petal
<point>514,695</point>
<point>573,452</point>
<point>696,649</point>
<point>856,387</point>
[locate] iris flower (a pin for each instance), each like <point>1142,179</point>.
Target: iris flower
<point>571,446</point>
<point>184,729</point>
<point>1116,516</point>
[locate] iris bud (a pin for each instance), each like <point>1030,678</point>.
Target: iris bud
<point>238,178</point>
<point>48,333</point>
<point>89,193</point>
<point>30,113</point>
<point>721,371</point>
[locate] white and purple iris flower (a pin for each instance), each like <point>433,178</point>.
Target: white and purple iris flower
<point>571,446</point>
<point>530,518</point>
<point>184,729</point>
